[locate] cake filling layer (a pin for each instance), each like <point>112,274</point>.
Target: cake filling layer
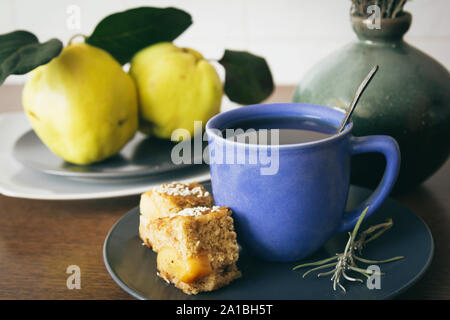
<point>187,270</point>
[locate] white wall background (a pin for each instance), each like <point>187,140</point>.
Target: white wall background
<point>291,34</point>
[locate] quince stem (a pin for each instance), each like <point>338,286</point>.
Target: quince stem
<point>75,36</point>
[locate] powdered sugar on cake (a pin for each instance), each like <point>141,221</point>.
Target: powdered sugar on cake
<point>197,211</point>
<point>179,189</point>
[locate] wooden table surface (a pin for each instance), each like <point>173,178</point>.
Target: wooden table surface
<point>39,239</point>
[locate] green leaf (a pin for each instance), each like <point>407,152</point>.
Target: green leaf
<point>247,77</point>
<point>21,52</point>
<point>124,33</point>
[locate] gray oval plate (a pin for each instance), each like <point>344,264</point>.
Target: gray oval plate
<point>141,156</point>
<point>133,266</point>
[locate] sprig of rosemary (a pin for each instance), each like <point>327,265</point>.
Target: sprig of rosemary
<point>346,261</point>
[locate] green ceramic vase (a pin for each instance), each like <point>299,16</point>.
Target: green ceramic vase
<point>408,99</point>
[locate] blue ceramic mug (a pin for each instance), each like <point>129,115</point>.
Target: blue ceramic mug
<point>288,215</point>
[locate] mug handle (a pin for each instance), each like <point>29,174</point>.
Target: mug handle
<point>389,148</point>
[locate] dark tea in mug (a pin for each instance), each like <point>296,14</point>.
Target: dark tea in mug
<point>279,131</point>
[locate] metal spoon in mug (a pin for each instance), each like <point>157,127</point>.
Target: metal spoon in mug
<point>356,98</point>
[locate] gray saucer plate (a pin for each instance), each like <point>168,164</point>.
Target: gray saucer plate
<point>133,266</point>
<point>141,156</point>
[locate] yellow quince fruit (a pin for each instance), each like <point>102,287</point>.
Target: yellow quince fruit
<point>82,104</point>
<point>176,86</point>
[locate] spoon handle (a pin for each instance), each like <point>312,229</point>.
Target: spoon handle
<point>358,94</point>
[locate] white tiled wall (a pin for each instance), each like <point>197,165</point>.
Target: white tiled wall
<point>291,34</point>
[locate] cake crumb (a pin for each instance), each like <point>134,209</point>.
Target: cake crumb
<point>180,189</point>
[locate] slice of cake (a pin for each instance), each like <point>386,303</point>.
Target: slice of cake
<point>197,248</point>
<point>167,199</point>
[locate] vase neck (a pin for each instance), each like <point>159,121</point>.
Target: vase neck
<point>391,29</point>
